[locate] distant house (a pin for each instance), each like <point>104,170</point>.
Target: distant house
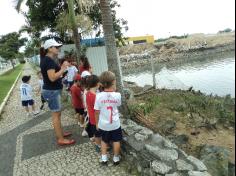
<point>140,39</point>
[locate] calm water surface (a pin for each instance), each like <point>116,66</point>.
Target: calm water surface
<point>210,75</point>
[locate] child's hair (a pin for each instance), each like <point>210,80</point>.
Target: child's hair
<point>85,61</point>
<point>26,78</point>
<point>92,81</point>
<point>84,81</point>
<point>61,61</point>
<point>107,78</point>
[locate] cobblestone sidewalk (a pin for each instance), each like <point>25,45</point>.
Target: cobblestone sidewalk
<point>28,146</point>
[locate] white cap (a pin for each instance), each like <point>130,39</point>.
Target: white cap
<point>51,42</point>
<point>85,73</point>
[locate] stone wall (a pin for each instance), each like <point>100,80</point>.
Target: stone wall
<point>150,154</point>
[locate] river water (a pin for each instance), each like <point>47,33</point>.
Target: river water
<point>211,75</point>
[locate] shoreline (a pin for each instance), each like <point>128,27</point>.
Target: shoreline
<point>191,54</point>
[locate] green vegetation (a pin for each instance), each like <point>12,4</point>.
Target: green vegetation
<point>225,30</point>
<point>190,107</point>
<point>147,107</point>
<point>10,45</point>
<point>6,81</point>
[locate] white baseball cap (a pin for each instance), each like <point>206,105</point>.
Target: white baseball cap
<point>51,42</point>
<point>85,73</point>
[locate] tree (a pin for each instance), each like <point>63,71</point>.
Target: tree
<point>111,50</point>
<point>10,45</point>
<point>74,27</point>
<point>54,8</point>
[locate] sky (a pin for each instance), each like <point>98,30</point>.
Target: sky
<point>161,18</point>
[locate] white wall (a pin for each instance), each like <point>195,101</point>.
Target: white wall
<point>98,59</point>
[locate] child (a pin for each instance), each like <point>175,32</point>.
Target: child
<point>27,95</point>
<point>77,99</point>
<point>85,76</point>
<point>84,65</point>
<point>40,81</point>
<point>107,116</point>
<point>93,133</point>
<point>72,72</point>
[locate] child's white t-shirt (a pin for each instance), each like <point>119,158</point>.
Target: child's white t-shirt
<point>107,103</point>
<point>71,73</point>
<point>26,92</point>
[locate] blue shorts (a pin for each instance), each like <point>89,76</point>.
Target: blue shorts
<point>111,136</point>
<point>92,131</point>
<point>79,111</point>
<point>27,103</point>
<point>53,98</point>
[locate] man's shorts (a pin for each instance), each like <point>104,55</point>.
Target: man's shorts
<point>92,131</point>
<point>111,136</point>
<point>79,111</point>
<point>27,103</point>
<point>53,98</point>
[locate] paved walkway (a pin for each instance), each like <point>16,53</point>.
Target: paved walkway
<point>28,146</point>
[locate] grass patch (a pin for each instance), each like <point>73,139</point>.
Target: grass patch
<point>193,108</point>
<point>6,81</point>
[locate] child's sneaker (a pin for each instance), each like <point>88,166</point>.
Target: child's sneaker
<point>36,112</point>
<point>104,160</point>
<point>28,114</point>
<point>84,133</point>
<point>116,160</point>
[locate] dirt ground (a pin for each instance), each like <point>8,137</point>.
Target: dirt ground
<point>165,109</point>
<point>221,137</point>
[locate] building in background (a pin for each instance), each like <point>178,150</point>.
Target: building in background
<point>140,39</point>
<point>92,42</point>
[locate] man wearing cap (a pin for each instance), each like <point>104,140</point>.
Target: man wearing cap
<point>52,77</point>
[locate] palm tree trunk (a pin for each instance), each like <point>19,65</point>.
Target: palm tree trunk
<point>111,50</point>
<point>76,35</point>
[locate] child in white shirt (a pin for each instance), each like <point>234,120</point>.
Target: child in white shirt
<point>72,72</point>
<point>107,116</point>
<point>27,95</point>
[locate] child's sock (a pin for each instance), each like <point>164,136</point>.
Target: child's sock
<point>98,148</point>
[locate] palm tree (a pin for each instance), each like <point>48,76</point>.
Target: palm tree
<point>111,50</point>
<point>74,27</point>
